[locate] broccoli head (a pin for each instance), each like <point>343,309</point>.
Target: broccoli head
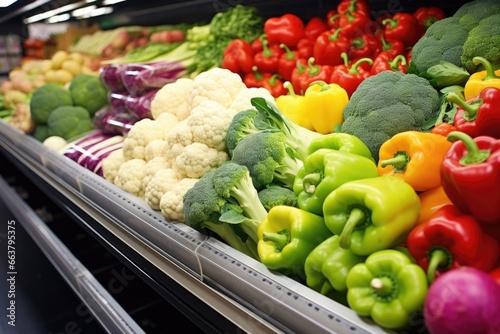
<point>47,98</point>
<point>483,41</point>
<point>203,208</point>
<point>275,195</point>
<point>389,103</point>
<point>266,117</point>
<point>88,92</point>
<point>442,41</point>
<point>269,158</point>
<point>69,122</point>
<point>470,13</point>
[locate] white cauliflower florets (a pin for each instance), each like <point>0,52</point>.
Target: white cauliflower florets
<point>209,123</point>
<point>130,176</point>
<point>217,84</point>
<point>168,121</point>
<point>197,159</point>
<point>140,135</point>
<point>156,148</point>
<point>161,182</point>
<point>173,99</point>
<point>111,164</point>
<point>153,166</point>
<point>171,203</point>
<point>242,100</point>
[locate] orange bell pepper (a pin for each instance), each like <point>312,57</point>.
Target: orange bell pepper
<point>430,201</point>
<point>415,157</point>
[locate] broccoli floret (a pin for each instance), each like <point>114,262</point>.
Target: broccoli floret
<point>203,208</point>
<point>483,41</point>
<point>47,98</point>
<point>266,117</point>
<point>269,159</point>
<point>69,122</point>
<point>470,13</point>
<point>389,103</point>
<point>276,195</point>
<point>88,91</point>
<point>442,41</point>
<point>233,183</point>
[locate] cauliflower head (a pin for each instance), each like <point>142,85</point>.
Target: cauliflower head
<point>111,164</point>
<point>156,148</point>
<point>209,123</point>
<point>140,135</point>
<point>217,84</point>
<point>153,166</point>
<point>173,99</point>
<point>171,203</point>
<point>130,175</point>
<point>242,100</point>
<point>168,121</point>
<point>197,159</point>
<point>161,182</point>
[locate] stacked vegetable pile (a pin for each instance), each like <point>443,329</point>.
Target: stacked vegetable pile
<point>371,208</point>
<point>345,47</point>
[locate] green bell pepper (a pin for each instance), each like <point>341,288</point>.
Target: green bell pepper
<point>388,287</point>
<point>343,142</point>
<point>286,237</point>
<point>372,214</point>
<point>325,170</point>
<point>327,266</point>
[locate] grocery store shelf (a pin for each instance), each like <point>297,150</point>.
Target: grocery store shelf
<point>237,291</point>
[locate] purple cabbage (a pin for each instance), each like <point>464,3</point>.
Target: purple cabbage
<point>113,123</point>
<point>111,77</point>
<point>117,101</point>
<point>140,106</point>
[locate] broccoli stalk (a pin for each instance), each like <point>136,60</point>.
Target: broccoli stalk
<point>268,159</point>
<point>233,183</point>
<point>267,118</point>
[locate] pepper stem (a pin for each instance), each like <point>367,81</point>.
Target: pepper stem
<point>398,59</point>
<point>383,286</point>
<point>392,23</point>
<point>313,69</point>
<point>354,67</point>
<point>311,181</point>
<point>490,73</point>
<point>474,155</point>
<point>288,85</point>
<point>280,239</point>
<point>288,53</point>
<point>438,258</point>
<point>355,216</point>
<point>470,109</point>
<point>398,163</point>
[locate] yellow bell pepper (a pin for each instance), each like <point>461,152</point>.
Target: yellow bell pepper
<point>431,200</point>
<point>480,80</point>
<point>415,157</point>
<point>324,106</point>
<point>291,104</point>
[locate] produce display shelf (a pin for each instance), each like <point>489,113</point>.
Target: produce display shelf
<point>231,289</point>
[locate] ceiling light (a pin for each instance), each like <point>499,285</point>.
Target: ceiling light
<point>6,3</point>
<point>101,11</point>
<point>111,2</point>
<point>83,11</point>
<point>50,13</point>
<point>58,18</point>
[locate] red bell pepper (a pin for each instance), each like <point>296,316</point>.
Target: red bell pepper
<point>287,62</point>
<point>366,45</point>
<point>275,86</point>
<point>329,46</point>
<point>428,15</point>
<point>257,44</point>
<point>314,27</point>
<point>256,79</point>
<point>287,29</point>
<point>312,73</point>
<point>333,19</point>
<point>450,239</point>
<point>348,76</point>
<point>394,46</point>
<point>238,57</point>
<point>403,27</point>
<point>479,116</point>
<point>300,68</point>
<point>305,48</point>
<point>385,61</point>
<point>358,6</point>
<point>355,23</point>
<point>495,273</point>
<point>470,175</point>
<point>267,60</point>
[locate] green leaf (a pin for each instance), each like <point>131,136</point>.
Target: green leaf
<point>446,74</point>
